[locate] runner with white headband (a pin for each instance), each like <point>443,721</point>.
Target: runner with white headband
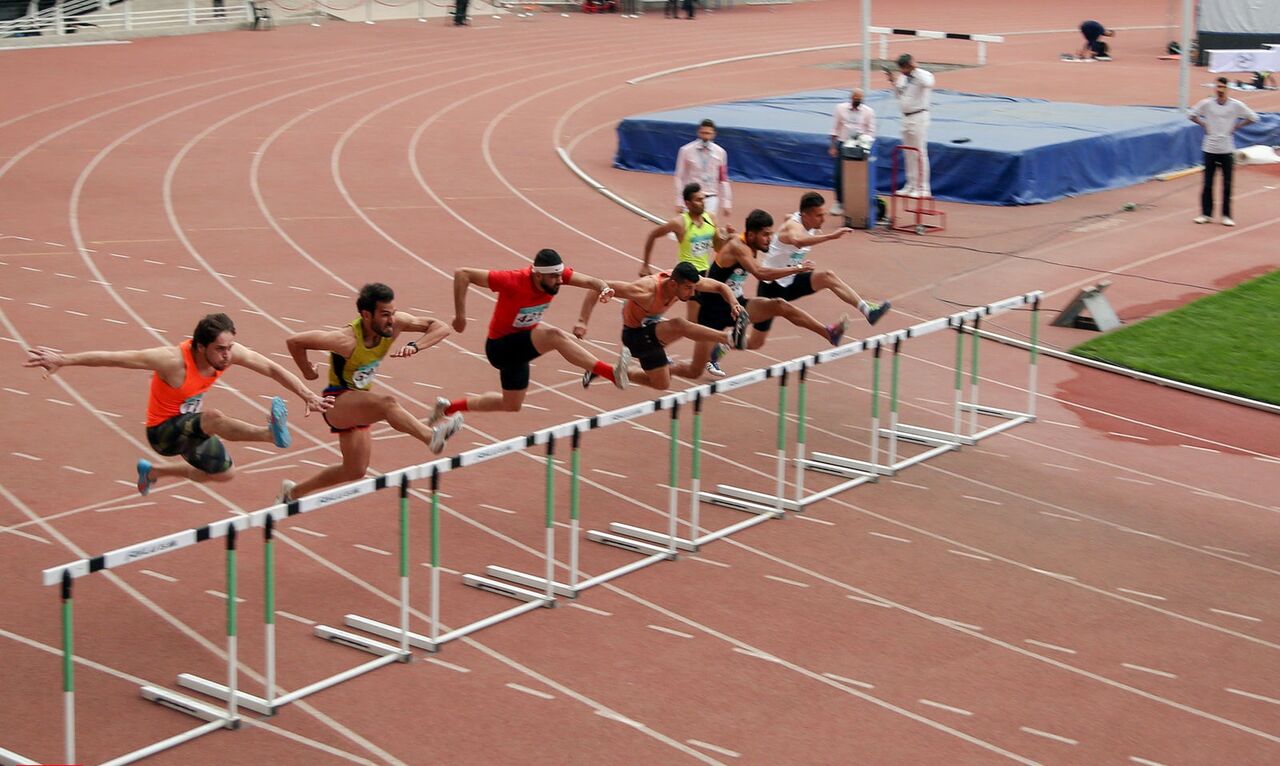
<point>516,336</point>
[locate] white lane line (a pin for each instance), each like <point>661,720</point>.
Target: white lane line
<point>533,692</point>
<point>294,617</point>
<point>302,321</point>
<point>1059,516</point>
<point>940,706</point>
<point>1047,735</point>
<point>59,401</point>
<point>153,262</point>
<point>989,452</point>
<point>306,531</point>
<point>1142,594</point>
<point>125,507</point>
<point>609,473</point>
<point>785,581</point>
<point>713,748</point>
<point>109,414</point>
<point>343,297</point>
<point>25,456</point>
<point>933,401</point>
<point>449,665</point>
<point>1047,573</point>
<point>850,681</point>
<point>135,289</point>
<point>1056,423</point>
<point>159,576</point>
<point>174,297</point>
<point>27,535</point>
<point>1266,459</point>
<point>1144,761</point>
<point>870,601</point>
<point>1235,614</point>
<point>1144,669</point>
<point>220,595</point>
<point>966,554</point>
<point>64,276</point>
<point>425,385</point>
<point>259,281</point>
<point>908,484</point>
<point>1253,696</point>
<point>272,468</point>
<point>18,391</point>
<point>590,609</point>
<point>1202,449</point>
<point>755,655</point>
<point>114,321</point>
<point>73,312</point>
<point>1224,550</point>
<point>1140,532</point>
<point>1046,645</point>
<point>824,522</point>
<point>259,450</point>
<point>669,631</point>
<point>1061,467</point>
<point>188,268</point>
<point>981,500</point>
<point>371,549</point>
<point>890,537</point>
<point>535,407</point>
<point>314,463</point>
<point>704,560</point>
<point>215,305</point>
<point>1128,436</point>
<point>78,470</point>
<point>496,508</point>
<point>612,716</point>
<point>300,289</point>
<point>959,624</point>
<point>186,499</point>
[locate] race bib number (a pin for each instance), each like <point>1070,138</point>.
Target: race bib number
<point>798,256</point>
<point>363,376</point>
<point>736,282</point>
<point>194,404</point>
<point>700,247</point>
<point>529,316</point>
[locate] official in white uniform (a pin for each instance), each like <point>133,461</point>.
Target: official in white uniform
<point>913,86</point>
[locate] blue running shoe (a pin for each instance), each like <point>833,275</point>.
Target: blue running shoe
<point>144,476</point>
<point>876,313</point>
<point>279,423</point>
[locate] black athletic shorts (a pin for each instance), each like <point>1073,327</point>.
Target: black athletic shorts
<point>182,435</point>
<point>511,355</point>
<point>715,313</point>
<point>801,286</point>
<point>644,346</point>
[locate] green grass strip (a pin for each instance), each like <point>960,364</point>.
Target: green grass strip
<point>1227,342</point>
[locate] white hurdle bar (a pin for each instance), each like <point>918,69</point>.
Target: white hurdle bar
<point>981,40</point>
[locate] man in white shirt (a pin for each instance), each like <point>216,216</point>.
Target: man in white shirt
<point>913,87</point>
<point>705,163</point>
<point>852,119</point>
<point>1220,117</point>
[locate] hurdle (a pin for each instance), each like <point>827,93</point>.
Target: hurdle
<point>936,442</point>
<point>929,34</point>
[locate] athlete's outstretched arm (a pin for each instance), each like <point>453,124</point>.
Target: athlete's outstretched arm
<point>160,359</point>
<point>248,358</point>
<point>334,341</point>
<point>674,227</point>
<point>462,279</point>
<point>434,331</point>
<point>624,290</point>
<point>594,284</point>
<point>709,285</point>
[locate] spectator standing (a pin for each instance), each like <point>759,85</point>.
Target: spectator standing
<point>1220,117</point>
<point>913,86</point>
<point>852,119</point>
<point>706,163</point>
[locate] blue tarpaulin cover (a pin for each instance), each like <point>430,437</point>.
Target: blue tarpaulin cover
<point>1019,151</point>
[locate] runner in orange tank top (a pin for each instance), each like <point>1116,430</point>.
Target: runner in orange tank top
<point>646,333</point>
<point>177,423</point>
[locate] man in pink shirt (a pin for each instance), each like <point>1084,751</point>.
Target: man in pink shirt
<point>705,163</point>
<point>852,119</point>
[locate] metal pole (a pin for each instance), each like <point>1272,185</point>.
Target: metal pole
<point>404,564</point>
<point>1184,65</point>
<point>673,479</point>
<point>551,518</point>
<point>233,692</point>
<point>269,605</point>
<point>801,407</point>
<point>866,47</point>
<point>68,673</point>
<point>782,448</point>
<point>1035,353</point>
<point>435,554</point>
<point>695,471</point>
<point>575,464</point>
<point>875,406</point>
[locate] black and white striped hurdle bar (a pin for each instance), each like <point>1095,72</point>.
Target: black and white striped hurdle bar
<point>929,34</point>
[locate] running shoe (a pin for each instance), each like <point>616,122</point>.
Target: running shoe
<point>1226,221</point>
<point>714,370</point>
<point>441,433</point>
<point>740,326</point>
<point>286,491</point>
<point>442,404</point>
<point>1202,219</point>
<point>835,332</point>
<point>620,377</point>
<point>144,476</point>
<point>587,377</point>
<point>279,423</point>
<point>876,313</point>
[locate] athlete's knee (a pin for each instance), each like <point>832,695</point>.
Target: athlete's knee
<point>353,471</point>
<point>224,474</point>
<point>211,419</point>
<point>384,402</point>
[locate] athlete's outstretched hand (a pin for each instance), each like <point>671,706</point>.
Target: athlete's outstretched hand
<point>580,330</point>
<point>45,358</point>
<point>317,403</point>
<point>606,295</point>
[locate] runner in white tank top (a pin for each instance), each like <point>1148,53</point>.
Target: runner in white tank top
<point>782,255</point>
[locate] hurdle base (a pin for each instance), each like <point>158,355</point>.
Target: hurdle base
<point>10,758</point>
<point>649,536</point>
<point>506,589</point>
<point>626,543</point>
<point>192,707</point>
<point>745,500</point>
<point>530,581</point>
<point>928,436</point>
<point>345,638</point>
<point>433,644</point>
<point>219,691</point>
<point>838,465</point>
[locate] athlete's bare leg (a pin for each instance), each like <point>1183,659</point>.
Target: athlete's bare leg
<point>356,446</point>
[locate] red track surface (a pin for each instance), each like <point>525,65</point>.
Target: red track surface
<point>1106,576</point>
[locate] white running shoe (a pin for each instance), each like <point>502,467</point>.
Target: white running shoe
<point>441,433</point>
<point>286,491</point>
<point>620,376</point>
<point>1202,219</point>
<point>437,412</point>
<point>714,370</point>
<point>1228,222</point>
<point>836,209</point>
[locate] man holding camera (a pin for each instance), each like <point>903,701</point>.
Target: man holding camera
<point>852,119</point>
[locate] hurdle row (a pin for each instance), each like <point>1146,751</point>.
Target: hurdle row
<point>981,40</point>
<point>536,591</point>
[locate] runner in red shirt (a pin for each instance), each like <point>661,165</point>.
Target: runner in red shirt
<point>516,336</point>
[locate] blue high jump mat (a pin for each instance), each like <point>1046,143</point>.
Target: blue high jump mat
<point>987,149</point>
